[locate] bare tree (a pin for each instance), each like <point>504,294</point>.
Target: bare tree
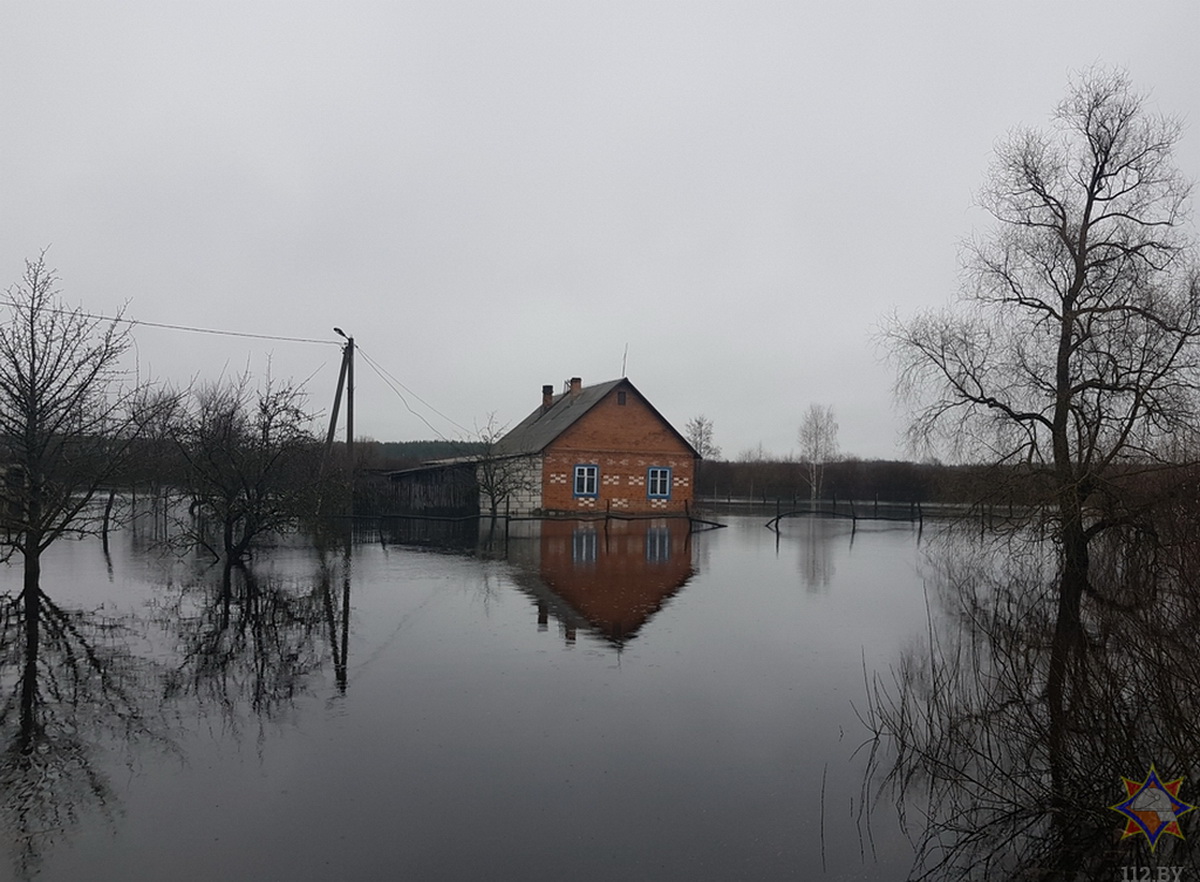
<point>68,415</point>
<point>1073,346</point>
<point>757,453</point>
<point>499,476</point>
<point>252,458</point>
<point>818,443</point>
<point>699,433</point>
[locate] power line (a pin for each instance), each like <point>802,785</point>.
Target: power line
<point>230,333</point>
<point>382,372</point>
<point>392,383</point>
<point>120,319</point>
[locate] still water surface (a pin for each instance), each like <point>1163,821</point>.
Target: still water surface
<point>636,704</point>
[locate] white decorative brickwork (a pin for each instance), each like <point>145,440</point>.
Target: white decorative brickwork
<point>622,477</point>
<point>523,476</point>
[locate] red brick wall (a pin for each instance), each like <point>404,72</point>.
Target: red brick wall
<point>624,441</point>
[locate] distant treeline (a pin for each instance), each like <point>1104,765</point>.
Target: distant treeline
<point>859,479</point>
<point>895,481</point>
<point>846,479</point>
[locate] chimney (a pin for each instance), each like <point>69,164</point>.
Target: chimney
<point>576,385</point>
<point>547,397</point>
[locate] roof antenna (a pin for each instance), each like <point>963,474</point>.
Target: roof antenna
<point>624,359</point>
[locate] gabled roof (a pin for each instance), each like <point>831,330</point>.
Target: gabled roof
<point>538,430</point>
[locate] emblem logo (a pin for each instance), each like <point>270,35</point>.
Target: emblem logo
<point>1152,807</point>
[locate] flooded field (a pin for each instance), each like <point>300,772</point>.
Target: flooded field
<point>587,703</point>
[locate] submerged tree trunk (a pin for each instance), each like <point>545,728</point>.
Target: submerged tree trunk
<point>106,522</point>
<point>1073,577</point>
<point>1068,634</point>
<point>31,608</point>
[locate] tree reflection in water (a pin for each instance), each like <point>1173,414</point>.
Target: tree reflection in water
<point>249,642</point>
<point>70,684</point>
<point>994,778</point>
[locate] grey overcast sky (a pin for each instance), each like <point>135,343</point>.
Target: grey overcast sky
<point>491,196</point>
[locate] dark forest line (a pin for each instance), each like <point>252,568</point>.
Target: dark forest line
<point>912,482</point>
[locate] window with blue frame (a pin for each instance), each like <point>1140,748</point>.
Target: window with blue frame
<point>587,480</point>
<point>658,483</point>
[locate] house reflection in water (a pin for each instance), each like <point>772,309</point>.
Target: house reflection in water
<point>608,577</point>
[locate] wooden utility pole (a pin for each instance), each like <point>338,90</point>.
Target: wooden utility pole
<point>337,406</point>
<point>345,382</point>
<point>348,355</point>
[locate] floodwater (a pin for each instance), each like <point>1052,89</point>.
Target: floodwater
<point>582,703</point>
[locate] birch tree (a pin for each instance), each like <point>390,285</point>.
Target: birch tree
<point>699,433</point>
<point>818,443</point>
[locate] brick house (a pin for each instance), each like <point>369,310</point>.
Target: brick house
<point>594,449</point>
